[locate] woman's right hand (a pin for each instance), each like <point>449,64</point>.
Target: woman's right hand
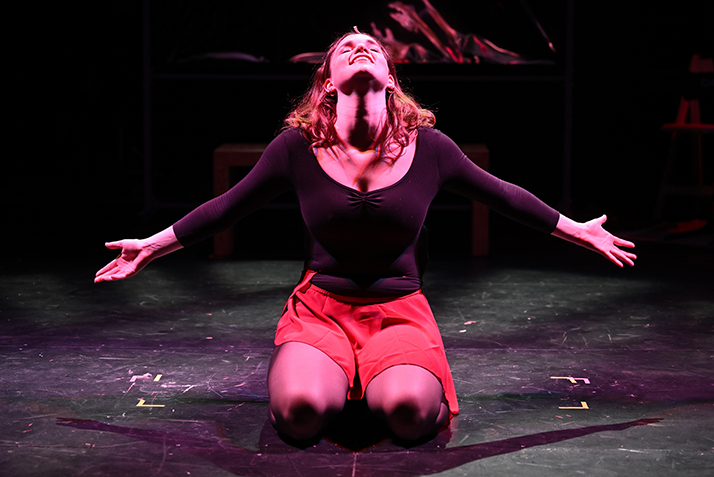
<point>136,254</point>
<point>133,257</point>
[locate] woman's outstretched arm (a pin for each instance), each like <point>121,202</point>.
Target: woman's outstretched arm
<point>593,236</point>
<point>136,254</point>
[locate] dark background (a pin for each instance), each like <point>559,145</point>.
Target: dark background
<point>74,173</point>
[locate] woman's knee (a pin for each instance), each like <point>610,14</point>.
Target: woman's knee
<point>409,399</point>
<point>410,418</point>
<point>306,389</point>
<point>301,415</point>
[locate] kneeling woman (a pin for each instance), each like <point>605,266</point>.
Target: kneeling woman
<point>365,163</point>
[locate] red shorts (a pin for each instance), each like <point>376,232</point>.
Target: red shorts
<point>366,336</point>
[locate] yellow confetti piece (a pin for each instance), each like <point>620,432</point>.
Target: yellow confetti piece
<point>142,404</point>
<point>583,405</point>
<point>572,379</point>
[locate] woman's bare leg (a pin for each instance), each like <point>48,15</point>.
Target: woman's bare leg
<point>306,389</point>
<point>410,399</point>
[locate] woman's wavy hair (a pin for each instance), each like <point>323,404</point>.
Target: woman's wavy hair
<point>315,112</point>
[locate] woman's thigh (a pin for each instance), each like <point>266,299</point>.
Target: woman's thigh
<point>405,382</point>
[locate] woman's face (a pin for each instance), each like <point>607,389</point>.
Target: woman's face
<point>357,60</point>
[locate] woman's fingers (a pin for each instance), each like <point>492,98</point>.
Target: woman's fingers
<point>618,256</point>
<point>611,256</point>
<point>622,242</point>
<point>601,220</point>
<point>103,274</point>
<point>107,273</point>
<point>105,269</point>
<point>629,258</point>
<point>114,271</point>
<point>612,244</point>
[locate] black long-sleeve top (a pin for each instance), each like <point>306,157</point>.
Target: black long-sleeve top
<point>363,243</point>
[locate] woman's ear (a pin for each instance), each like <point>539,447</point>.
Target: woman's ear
<point>329,87</point>
<point>390,83</point>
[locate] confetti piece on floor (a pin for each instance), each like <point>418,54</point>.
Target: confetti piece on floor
<point>142,403</point>
<point>572,379</point>
<point>583,405</point>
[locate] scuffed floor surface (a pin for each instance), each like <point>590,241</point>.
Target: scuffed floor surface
<point>564,365</point>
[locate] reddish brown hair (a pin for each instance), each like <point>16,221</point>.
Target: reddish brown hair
<point>315,112</point>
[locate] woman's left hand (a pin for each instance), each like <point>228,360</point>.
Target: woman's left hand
<point>593,236</point>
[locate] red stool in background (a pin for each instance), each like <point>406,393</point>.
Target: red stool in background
<point>688,122</point>
<point>246,155</point>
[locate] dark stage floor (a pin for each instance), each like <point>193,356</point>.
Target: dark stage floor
<point>564,365</point>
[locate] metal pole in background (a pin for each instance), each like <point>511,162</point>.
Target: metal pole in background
<point>146,77</point>
<point>565,204</point>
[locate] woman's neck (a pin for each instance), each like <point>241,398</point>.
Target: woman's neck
<point>361,119</point>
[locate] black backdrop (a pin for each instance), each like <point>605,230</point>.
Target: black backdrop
<point>74,166</point>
